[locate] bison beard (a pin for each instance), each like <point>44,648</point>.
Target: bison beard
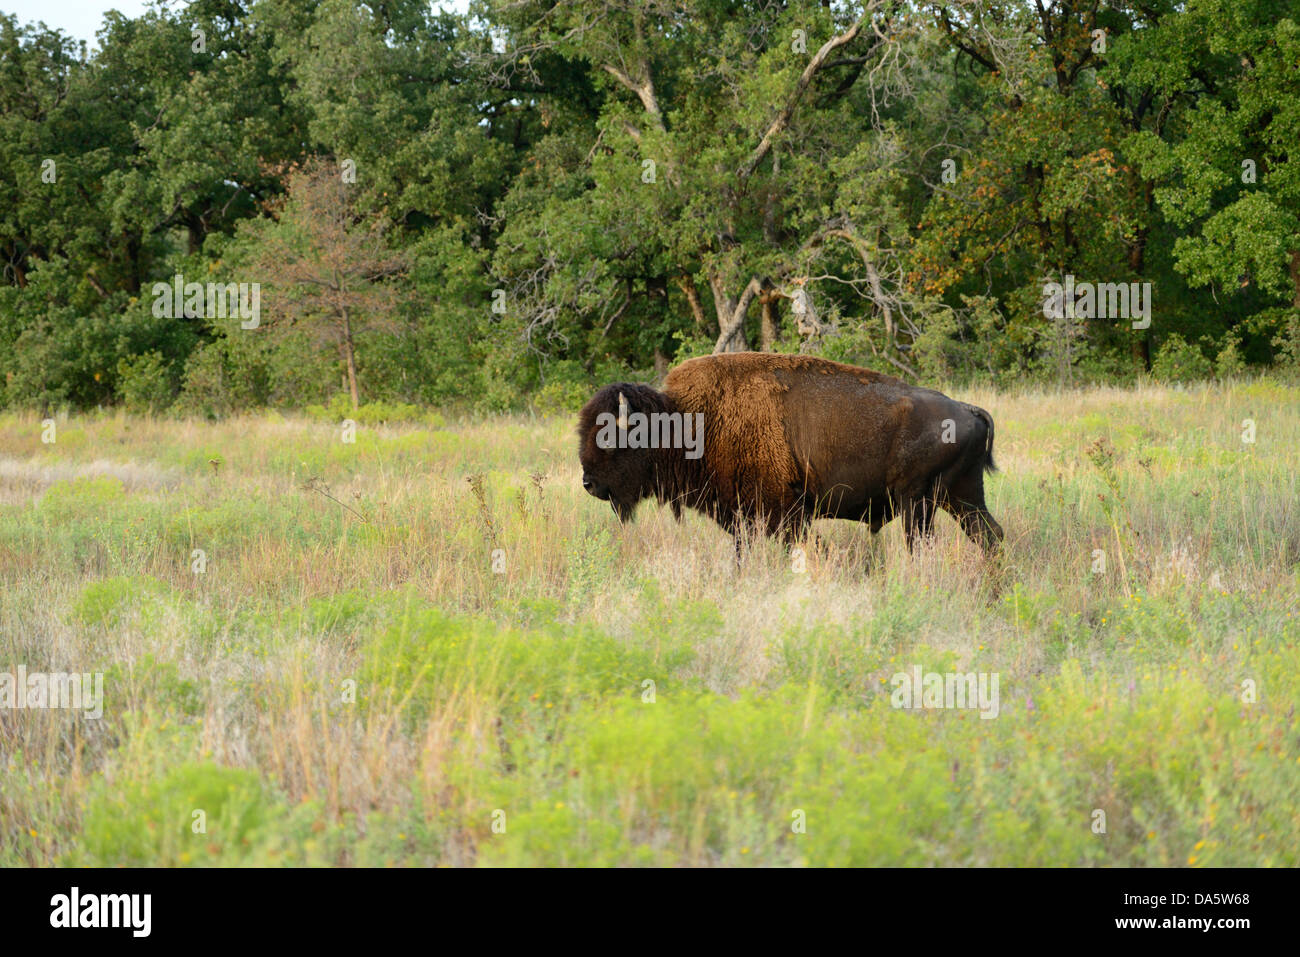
<point>791,438</point>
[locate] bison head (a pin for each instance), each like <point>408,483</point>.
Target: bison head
<point>611,471</point>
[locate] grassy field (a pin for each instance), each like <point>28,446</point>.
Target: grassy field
<point>428,646</point>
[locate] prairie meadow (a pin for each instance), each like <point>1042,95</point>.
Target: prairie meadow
<point>420,643</point>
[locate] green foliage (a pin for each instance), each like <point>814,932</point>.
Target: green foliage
<point>156,822</point>
<point>704,777</point>
<point>373,413</point>
<point>511,228</point>
<point>103,603</point>
<point>1223,170</point>
<point>159,681</point>
<point>64,499</point>
<point>1180,361</point>
<point>1230,363</point>
<point>558,398</point>
<point>145,383</point>
<point>338,611</point>
<point>1286,339</point>
<point>568,387</point>
<point>426,656</point>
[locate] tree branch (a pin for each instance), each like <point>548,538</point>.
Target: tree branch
<point>805,80</point>
<point>737,315</point>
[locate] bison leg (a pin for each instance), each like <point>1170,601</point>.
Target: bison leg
<point>789,526</point>
<point>743,528</point>
<point>879,513</point>
<point>965,501</point>
<point>733,523</point>
<point>982,528</point>
<point>918,519</point>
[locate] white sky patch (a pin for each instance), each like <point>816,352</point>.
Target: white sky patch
<point>80,19</point>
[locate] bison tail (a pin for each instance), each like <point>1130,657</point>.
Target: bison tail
<point>989,464</point>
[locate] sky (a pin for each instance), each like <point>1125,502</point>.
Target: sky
<point>81,18</point>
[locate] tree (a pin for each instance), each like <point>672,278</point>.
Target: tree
<point>736,157</point>
<point>1037,190</point>
<point>328,272</point>
<point>1231,180</point>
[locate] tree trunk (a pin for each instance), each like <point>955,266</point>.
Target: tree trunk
<point>193,235</point>
<point>134,248</point>
<point>770,325</point>
<point>15,264</point>
<point>731,315</point>
<point>687,285</point>
<point>349,356</point>
<point>1137,256</point>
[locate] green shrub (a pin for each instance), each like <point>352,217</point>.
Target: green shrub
<point>1180,361</point>
<point>1230,363</point>
<point>337,611</point>
<point>552,669</point>
<point>145,383</point>
<point>220,379</point>
<point>373,413</point>
<point>63,500</point>
<point>1285,324</point>
<point>160,682</point>
<point>192,814</point>
<point>558,398</point>
<point>104,602</point>
<point>566,388</point>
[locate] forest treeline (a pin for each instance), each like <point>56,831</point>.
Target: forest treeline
<point>228,205</point>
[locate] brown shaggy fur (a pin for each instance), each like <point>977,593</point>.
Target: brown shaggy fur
<point>792,438</point>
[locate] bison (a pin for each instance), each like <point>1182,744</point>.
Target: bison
<point>773,441</point>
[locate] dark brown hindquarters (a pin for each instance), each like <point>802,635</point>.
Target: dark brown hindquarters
<point>961,488</point>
